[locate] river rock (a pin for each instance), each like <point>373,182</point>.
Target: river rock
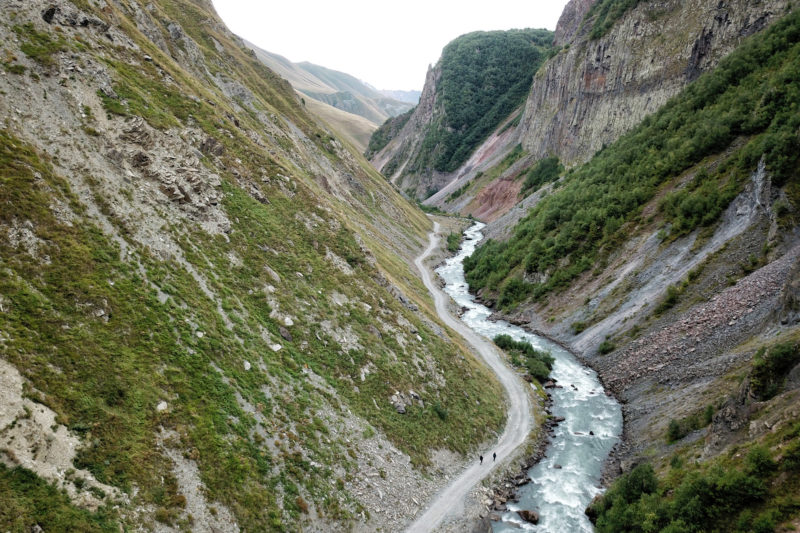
<point>529,516</point>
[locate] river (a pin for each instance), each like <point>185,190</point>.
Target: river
<point>566,480</point>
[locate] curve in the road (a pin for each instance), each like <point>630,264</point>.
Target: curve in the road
<point>518,422</point>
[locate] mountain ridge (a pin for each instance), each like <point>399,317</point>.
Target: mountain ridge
<point>348,95</point>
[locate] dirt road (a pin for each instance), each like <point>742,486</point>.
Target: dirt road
<point>450,500</point>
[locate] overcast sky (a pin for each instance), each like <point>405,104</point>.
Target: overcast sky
<point>386,44</point>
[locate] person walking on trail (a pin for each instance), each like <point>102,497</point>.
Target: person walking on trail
<point>494,456</point>
<point>481,457</point>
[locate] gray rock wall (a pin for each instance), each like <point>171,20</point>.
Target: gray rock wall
<point>593,91</point>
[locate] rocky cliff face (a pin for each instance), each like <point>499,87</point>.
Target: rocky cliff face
<point>393,158</point>
<point>592,91</point>
<point>571,20</point>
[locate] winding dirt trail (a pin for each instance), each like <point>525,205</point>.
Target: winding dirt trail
<point>450,500</point>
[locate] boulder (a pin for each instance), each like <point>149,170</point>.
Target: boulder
<point>399,403</point>
<point>529,516</point>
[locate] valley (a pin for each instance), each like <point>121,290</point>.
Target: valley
<point>231,300</point>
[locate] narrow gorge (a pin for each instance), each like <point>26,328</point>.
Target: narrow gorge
<point>219,303</point>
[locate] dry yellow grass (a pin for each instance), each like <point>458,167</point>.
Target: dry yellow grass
<point>357,130</point>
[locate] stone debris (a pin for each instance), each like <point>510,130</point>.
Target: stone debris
<point>708,327</point>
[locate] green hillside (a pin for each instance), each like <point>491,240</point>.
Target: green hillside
<point>742,112</point>
<point>484,77</point>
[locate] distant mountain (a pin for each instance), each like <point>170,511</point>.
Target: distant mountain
<point>412,97</point>
<point>336,89</point>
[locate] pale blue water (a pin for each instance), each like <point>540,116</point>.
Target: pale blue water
<point>559,495</point>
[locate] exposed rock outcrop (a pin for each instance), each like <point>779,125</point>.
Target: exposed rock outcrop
<point>595,90</point>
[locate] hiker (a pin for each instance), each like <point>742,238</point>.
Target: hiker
<point>481,457</point>
<point>494,457</point>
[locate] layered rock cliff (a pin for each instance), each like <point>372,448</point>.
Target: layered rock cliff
<point>593,90</point>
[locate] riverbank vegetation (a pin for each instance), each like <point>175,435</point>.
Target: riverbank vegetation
<point>749,490</point>
<point>537,363</point>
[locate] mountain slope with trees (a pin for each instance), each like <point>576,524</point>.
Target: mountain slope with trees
<point>669,261</point>
<point>479,81</point>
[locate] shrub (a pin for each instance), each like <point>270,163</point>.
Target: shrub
<point>544,171</point>
<point>674,431</point>
<point>578,327</point>
<point>453,242</point>
<point>606,347</point>
<point>440,411</point>
<point>522,353</point>
<point>759,461</point>
<point>770,368</point>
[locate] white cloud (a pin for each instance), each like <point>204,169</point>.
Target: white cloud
<point>387,45</point>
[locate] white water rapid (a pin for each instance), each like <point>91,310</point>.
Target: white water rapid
<point>566,480</point>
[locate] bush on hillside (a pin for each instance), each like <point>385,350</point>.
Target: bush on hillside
<point>770,369</point>
<point>544,171</point>
<point>538,363</point>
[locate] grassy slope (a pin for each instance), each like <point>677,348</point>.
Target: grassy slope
<point>104,378</point>
<point>354,128</point>
<point>321,87</point>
